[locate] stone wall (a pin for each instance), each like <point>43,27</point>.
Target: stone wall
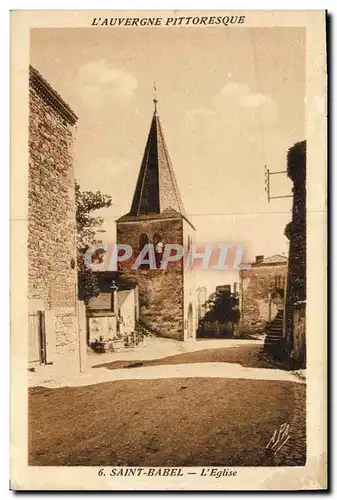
<point>65,328</point>
<point>296,284</point>
<point>258,301</point>
<point>161,292</point>
<point>51,210</point>
<point>298,347</point>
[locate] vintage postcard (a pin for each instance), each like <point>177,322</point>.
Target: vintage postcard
<point>168,272</point>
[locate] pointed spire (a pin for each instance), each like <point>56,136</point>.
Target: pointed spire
<point>156,188</point>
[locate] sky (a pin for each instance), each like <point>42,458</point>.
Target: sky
<point>230,100</point>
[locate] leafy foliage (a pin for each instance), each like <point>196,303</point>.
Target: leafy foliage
<point>87,227</point>
<point>222,307</point>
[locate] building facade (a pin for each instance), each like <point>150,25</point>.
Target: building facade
<point>52,274</point>
<point>262,291</point>
<point>157,217</point>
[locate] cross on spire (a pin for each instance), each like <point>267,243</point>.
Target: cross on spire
<point>155,100</point>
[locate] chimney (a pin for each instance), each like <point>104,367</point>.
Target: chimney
<point>259,259</point>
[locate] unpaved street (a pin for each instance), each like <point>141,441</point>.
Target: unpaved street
<point>171,421</point>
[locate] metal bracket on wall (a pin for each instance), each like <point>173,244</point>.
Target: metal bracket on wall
<point>267,175</point>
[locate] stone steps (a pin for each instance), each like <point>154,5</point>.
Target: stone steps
<point>273,338</point>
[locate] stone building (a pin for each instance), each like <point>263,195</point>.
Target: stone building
<point>157,216</point>
<point>115,311</point>
<point>295,304</point>
<point>262,291</point>
<point>52,275</point>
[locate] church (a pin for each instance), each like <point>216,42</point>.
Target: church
<point>167,297</point>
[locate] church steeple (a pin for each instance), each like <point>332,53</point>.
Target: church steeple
<point>156,188</point>
<point>157,218</point>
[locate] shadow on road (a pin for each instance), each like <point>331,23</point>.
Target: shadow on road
<point>247,356</point>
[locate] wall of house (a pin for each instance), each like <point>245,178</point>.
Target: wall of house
<point>161,300</point>
<point>190,297</point>
<point>102,325</point>
<point>101,318</point>
<point>127,312</point>
<point>51,223</point>
<point>256,285</point>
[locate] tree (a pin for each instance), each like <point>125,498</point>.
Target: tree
<point>222,307</point>
<point>87,227</point>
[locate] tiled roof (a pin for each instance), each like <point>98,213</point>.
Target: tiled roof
<point>275,258</point>
<point>169,213</point>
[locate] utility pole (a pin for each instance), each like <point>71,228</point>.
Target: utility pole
<point>114,289</point>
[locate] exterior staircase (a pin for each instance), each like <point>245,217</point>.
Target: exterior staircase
<point>273,340</point>
<point>144,330</point>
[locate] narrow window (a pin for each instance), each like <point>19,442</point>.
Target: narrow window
<point>143,240</point>
<point>158,248</point>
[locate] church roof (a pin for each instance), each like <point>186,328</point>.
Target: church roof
<point>169,213</point>
<point>156,189</point>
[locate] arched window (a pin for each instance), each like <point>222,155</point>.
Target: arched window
<point>143,240</point>
<point>158,248</point>
<point>158,243</point>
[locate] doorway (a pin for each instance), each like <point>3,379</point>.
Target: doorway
<point>37,338</point>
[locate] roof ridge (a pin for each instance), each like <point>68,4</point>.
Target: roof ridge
<point>148,141</point>
<point>171,171</point>
<point>41,85</point>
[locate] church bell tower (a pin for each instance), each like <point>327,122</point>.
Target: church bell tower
<point>157,216</point>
